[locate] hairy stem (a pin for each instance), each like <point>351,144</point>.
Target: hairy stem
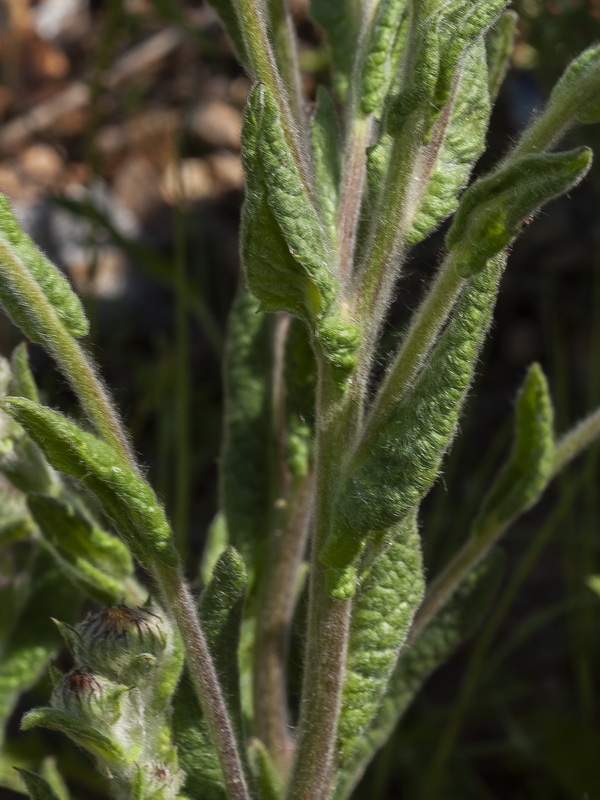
<point>575,441</point>
<point>276,608</point>
<point>328,618</point>
<point>283,37</point>
<point>73,362</point>
<point>358,130</point>
<point>78,370</point>
<point>425,327</point>
<point>265,69</point>
<point>353,179</point>
<point>204,677</point>
<point>476,548</point>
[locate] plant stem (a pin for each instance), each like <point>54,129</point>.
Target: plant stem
<point>575,441</point>
<point>283,37</point>
<point>353,179</point>
<point>422,334</point>
<point>328,617</point>
<point>411,167</point>
<point>276,608</point>
<point>95,401</point>
<point>252,20</point>
<point>475,548</point>
<point>204,677</point>
<point>358,131</point>
<point>556,119</point>
<point>73,362</point>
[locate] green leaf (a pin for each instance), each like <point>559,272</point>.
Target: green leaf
<point>464,142</point>
<point>406,456</point>
<point>340,21</point>
<point>492,210</point>
<point>268,782</point>
<point>125,497</point>
<point>34,639</point>
<point>326,141</point>
<point>527,471</point>
<point>284,246</point>
<point>580,85</point>
<point>37,787</point>
<point>51,774</point>
<point>248,460</point>
<point>499,44</point>
<point>98,562</point>
<point>22,383</point>
<point>21,260</point>
<point>82,733</point>
<point>220,610</point>
<point>382,612</point>
<point>299,279</point>
<point>463,23</point>
<point>382,53</point>
<point>452,624</point>
<point>441,35</point>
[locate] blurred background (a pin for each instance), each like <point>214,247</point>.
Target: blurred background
<point>119,150</point>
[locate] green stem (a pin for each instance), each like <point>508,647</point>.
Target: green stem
<point>575,441</point>
<point>283,37</point>
<point>358,129</point>
<point>264,67</point>
<point>95,401</point>
<point>328,618</point>
<point>425,327</point>
<point>74,363</point>
<point>547,130</point>
<point>475,548</point>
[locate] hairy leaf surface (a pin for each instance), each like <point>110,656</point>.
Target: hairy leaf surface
<point>405,459</point>
<point>20,258</point>
<point>340,22</point>
<point>98,562</point>
<point>527,471</point>
<point>463,143</point>
<point>493,208</point>
<point>433,647</point>
<point>382,611</point>
<point>248,462</point>
<point>34,639</point>
<point>326,141</point>
<point>125,497</point>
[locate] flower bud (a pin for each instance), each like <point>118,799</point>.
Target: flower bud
<point>134,646</point>
<point>84,694</point>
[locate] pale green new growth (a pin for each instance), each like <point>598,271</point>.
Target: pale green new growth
<point>213,697</point>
